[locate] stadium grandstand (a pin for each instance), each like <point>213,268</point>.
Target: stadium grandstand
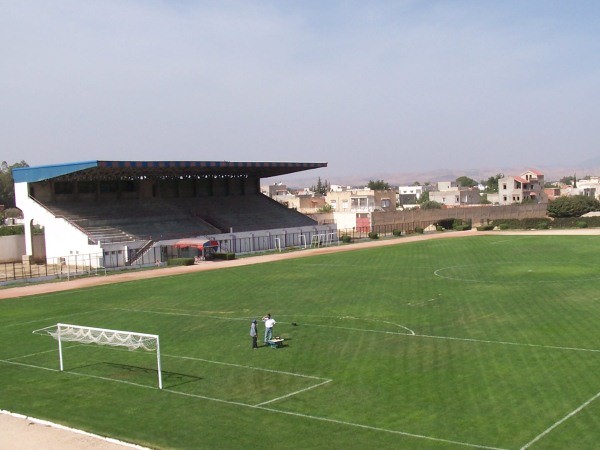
<point>120,213</point>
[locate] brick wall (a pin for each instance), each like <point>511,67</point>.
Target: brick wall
<point>478,215</point>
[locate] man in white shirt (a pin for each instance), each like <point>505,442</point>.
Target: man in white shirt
<point>269,324</point>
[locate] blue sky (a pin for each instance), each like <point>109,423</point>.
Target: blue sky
<point>369,87</point>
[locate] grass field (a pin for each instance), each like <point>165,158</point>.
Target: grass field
<point>478,342</point>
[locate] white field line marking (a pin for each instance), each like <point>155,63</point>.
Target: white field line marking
<point>424,302</point>
<point>47,423</point>
<point>368,427</point>
<point>410,332</point>
<point>500,279</point>
<point>31,354</point>
<point>180,314</point>
<point>293,393</point>
<point>15,363</point>
<point>339,422</point>
<point>249,367</point>
<point>45,351</point>
<point>54,318</point>
<point>553,426</point>
<point>483,341</point>
<point>278,411</point>
<point>509,240</point>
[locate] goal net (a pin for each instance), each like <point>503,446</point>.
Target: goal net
<point>63,332</point>
<point>324,240</point>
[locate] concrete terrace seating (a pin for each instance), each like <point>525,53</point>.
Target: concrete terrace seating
<point>247,213</point>
<point>127,220</point>
<point>173,218</point>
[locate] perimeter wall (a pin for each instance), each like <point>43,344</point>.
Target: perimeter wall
<point>477,215</point>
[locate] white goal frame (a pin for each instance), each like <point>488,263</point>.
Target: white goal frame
<point>103,336</point>
<point>324,239</point>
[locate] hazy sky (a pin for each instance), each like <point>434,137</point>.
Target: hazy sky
<point>367,86</point>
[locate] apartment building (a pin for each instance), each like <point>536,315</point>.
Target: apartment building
<point>352,208</point>
<point>450,194</point>
<point>589,187</point>
<point>526,187</point>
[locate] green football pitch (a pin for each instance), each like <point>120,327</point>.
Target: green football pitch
<point>476,342</point>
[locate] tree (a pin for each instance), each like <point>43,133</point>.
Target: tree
<point>484,200</point>
<point>378,185</point>
<point>574,206</point>
<point>568,180</point>
<point>423,198</point>
<point>7,184</point>
<point>430,204</point>
<point>491,185</point>
<point>465,181</point>
<point>321,188</point>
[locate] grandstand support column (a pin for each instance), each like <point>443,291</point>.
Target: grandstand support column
<point>22,198</point>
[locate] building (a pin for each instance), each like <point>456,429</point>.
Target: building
<point>589,187</point>
<point>408,196</point>
<point>304,201</point>
<point>450,194</point>
<point>526,187</point>
<point>352,208</point>
<point>124,211</point>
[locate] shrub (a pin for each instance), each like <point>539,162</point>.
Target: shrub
<point>581,224</point>
<point>346,238</point>
<point>573,206</point>
<point>419,230</point>
<point>572,222</point>
<point>485,227</point>
<point>460,225</point>
<point>431,205</point>
<point>524,224</point>
<point>180,262</point>
<point>12,230</point>
<point>397,232</point>
<point>373,235</point>
<point>225,256</point>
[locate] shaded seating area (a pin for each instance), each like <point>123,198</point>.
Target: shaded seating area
<point>122,220</point>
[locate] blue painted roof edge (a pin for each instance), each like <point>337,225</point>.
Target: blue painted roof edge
<point>39,173</point>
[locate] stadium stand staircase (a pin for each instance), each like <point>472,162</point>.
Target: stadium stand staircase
<point>140,253</point>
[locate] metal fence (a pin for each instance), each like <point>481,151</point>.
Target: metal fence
<point>62,267</point>
<point>119,259</point>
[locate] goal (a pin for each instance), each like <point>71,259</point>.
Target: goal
<point>63,332</point>
<point>324,240</point>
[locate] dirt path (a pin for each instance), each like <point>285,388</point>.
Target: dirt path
<point>23,433</point>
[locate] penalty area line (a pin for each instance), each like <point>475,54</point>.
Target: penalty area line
<point>385,430</point>
<point>293,393</point>
<point>558,423</point>
<point>278,411</point>
<point>249,367</point>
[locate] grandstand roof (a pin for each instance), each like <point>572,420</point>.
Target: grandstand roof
<point>118,170</point>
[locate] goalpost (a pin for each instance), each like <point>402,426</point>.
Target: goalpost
<point>102,336</point>
<point>324,239</point>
